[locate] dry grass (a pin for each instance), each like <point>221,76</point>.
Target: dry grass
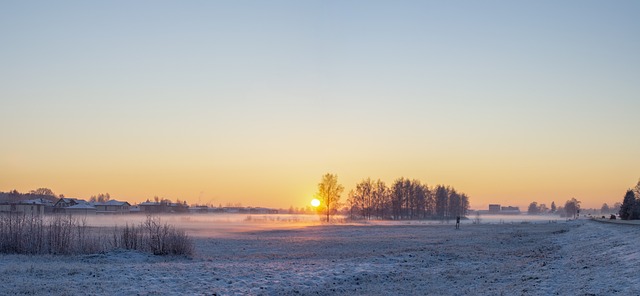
<point>153,236</point>
<point>68,235</point>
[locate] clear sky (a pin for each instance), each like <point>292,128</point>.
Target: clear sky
<point>252,101</point>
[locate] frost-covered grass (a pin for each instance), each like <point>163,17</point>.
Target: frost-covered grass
<point>71,235</point>
<point>565,258</point>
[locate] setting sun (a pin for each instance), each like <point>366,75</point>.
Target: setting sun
<point>315,202</point>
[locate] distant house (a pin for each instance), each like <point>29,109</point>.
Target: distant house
<point>152,207</point>
<point>46,203</point>
<point>199,209</point>
<point>23,207</point>
<point>494,209</point>
<point>73,206</point>
<point>112,207</point>
<point>262,211</point>
<point>80,209</point>
<point>235,210</point>
<point>66,202</point>
<point>509,210</point>
<point>163,207</point>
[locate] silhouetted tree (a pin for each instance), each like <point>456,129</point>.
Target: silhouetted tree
<point>465,205</point>
<point>616,207</point>
<point>636,189</point>
<point>571,207</point>
<point>410,199</point>
<point>455,203</point>
<point>605,208</point>
<point>553,207</point>
<point>405,199</point>
<point>381,199</point>
<point>628,204</point>
<point>42,191</point>
<point>352,205</point>
<point>100,197</point>
<point>364,198</point>
<point>329,192</point>
<point>533,208</point>
<point>542,208</point>
<point>442,200</point>
<point>398,195</point>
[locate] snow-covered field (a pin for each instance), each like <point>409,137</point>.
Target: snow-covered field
<point>565,258</point>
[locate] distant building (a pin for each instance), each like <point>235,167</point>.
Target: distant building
<point>112,207</point>
<point>496,209</point>
<point>199,209</point>
<point>31,208</point>
<point>163,207</point>
<point>66,202</point>
<point>80,209</point>
<point>48,204</point>
<point>262,211</point>
<point>509,210</point>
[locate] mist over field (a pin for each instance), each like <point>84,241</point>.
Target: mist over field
<point>216,225</point>
<point>212,225</point>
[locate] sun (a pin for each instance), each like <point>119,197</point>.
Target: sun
<point>315,202</point>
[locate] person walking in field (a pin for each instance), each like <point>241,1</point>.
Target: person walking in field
<point>457,222</point>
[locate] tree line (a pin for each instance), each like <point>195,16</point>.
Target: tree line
<point>15,196</point>
<point>404,199</point>
<point>571,208</point>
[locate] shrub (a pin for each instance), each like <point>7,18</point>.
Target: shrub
<point>65,234</point>
<point>155,237</point>
<point>32,234</point>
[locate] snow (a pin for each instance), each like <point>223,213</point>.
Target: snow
<point>563,258</point>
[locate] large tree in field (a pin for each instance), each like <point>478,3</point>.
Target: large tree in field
<point>329,191</point>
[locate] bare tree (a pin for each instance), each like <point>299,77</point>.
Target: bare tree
<point>533,208</point>
<point>100,197</point>
<point>543,208</point>
<point>476,220</point>
<point>361,199</point>
<point>572,207</point>
<point>329,192</point>
<point>442,200</point>
<point>605,208</point>
<point>381,199</point>
<point>42,191</point>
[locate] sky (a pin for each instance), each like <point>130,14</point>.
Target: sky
<point>251,102</point>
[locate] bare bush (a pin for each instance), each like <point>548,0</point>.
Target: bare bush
<point>153,236</point>
<point>60,234</point>
<point>129,237</point>
<point>32,234</point>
